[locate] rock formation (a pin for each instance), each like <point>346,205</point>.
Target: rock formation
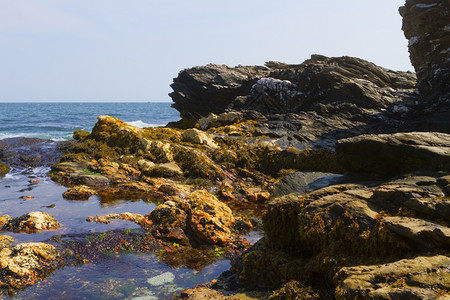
<point>426,24</point>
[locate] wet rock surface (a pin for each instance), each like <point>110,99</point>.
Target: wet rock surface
<point>30,223</point>
<point>23,264</point>
<point>28,152</point>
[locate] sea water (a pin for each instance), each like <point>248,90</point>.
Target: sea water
<point>118,276</point>
<point>57,121</point>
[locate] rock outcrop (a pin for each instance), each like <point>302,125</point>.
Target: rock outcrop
<point>201,90</point>
<point>391,154</point>
<point>426,24</point>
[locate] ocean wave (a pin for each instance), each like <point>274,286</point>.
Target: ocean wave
<point>141,124</point>
<point>46,136</point>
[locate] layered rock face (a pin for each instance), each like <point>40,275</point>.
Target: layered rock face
<point>324,85</point>
<point>426,24</point>
<point>201,90</point>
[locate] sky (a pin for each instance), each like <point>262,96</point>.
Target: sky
<point>130,50</point>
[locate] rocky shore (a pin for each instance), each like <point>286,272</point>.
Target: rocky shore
<point>342,164</point>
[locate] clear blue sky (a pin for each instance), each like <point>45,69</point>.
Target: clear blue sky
<point>129,50</point>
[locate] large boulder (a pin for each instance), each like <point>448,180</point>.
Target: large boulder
<point>199,91</point>
<point>390,154</point>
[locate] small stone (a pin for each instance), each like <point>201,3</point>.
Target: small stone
<point>164,278</point>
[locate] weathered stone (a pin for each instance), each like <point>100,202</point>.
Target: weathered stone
<point>418,278</point>
<point>116,133</point>
<point>389,154</point>
<point>432,207</point>
<point>420,233</point>
<point>80,192</point>
<point>196,136</point>
<point>303,182</point>
<point>5,241</point>
<point>23,264</point>
<point>32,222</point>
<point>426,26</point>
<point>212,87</point>
<point>209,218</point>
<point>160,150</point>
<point>195,163</point>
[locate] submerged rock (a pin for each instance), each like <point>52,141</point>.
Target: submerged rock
<point>164,278</point>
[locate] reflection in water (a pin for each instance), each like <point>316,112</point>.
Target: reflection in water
<point>114,276</point>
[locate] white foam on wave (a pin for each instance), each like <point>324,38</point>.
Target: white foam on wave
<point>141,124</point>
<point>36,135</point>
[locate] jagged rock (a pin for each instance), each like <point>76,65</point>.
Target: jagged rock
<point>223,119</point>
<point>426,25</point>
<point>434,207</point>
<point>5,241</point>
<point>24,263</point>
<point>201,90</point>
<point>389,154</point>
<point>80,192</point>
<point>136,218</point>
<point>160,150</point>
<point>195,163</point>
<point>334,84</point>
<point>210,219</point>
<point>116,133</point>
<point>418,278</point>
<point>420,233</point>
<point>201,218</point>
<point>196,136</point>
<point>32,222</point>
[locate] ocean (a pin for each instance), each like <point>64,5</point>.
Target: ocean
<point>57,121</point>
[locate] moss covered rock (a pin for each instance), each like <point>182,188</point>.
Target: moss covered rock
<point>424,277</point>
<point>4,169</point>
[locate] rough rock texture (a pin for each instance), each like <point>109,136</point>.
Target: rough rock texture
<point>25,263</point>
<point>202,90</point>
<point>390,154</point>
<point>200,219</point>
<point>418,278</point>
<point>352,224</point>
<point>319,84</point>
<point>426,24</point>
<point>28,152</point>
<point>31,223</point>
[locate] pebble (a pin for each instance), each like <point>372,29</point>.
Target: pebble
<point>161,279</point>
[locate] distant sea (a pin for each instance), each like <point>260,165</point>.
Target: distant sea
<point>57,121</point>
